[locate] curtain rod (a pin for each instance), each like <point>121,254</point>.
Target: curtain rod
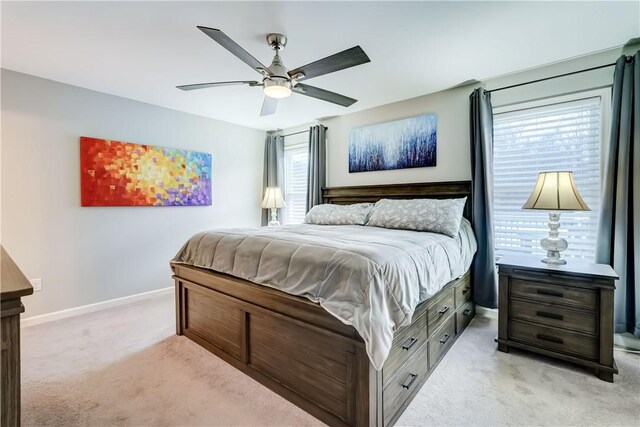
<point>552,77</point>
<point>295,133</point>
<point>298,133</point>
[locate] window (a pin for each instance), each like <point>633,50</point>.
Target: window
<point>528,139</point>
<point>296,158</point>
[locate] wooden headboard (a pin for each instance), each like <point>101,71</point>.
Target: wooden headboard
<point>420,190</point>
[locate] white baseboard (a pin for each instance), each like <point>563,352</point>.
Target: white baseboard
<point>90,308</point>
<point>491,313</point>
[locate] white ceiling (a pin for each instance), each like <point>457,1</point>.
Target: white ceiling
<point>142,50</point>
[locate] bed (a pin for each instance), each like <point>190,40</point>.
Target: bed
<point>302,352</point>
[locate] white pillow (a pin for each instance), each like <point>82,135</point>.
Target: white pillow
<point>329,214</point>
<point>435,215</point>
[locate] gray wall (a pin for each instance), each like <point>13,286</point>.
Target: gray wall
<point>452,108</point>
<point>88,255</point>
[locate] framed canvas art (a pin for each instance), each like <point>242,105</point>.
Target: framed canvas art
<point>400,144</point>
<point>114,173</point>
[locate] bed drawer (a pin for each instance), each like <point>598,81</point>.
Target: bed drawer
<point>463,290</point>
<point>464,314</point>
<point>404,385</point>
<point>214,318</point>
<point>405,344</point>
<point>440,340</point>
<point>547,292</point>
<point>556,316</point>
<point>440,308</point>
<point>311,364</point>
<point>554,339</point>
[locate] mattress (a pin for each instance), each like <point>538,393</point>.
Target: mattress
<point>368,277</point>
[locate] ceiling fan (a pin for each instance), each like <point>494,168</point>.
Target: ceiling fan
<point>279,82</point>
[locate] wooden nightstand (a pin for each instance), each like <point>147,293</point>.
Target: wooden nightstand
<point>562,311</point>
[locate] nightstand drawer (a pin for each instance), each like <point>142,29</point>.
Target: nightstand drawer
<point>554,339</point>
<point>554,316</point>
<point>557,294</point>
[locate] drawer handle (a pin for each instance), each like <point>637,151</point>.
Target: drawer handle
<point>550,293</point>
<point>550,315</point>
<point>409,343</point>
<point>466,312</point>
<point>465,290</point>
<point>443,310</point>
<point>409,381</point>
<point>444,338</point>
<point>550,338</point>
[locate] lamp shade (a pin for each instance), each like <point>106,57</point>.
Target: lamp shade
<point>272,198</point>
<point>556,191</point>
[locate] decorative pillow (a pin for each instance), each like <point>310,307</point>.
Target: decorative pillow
<point>435,215</point>
<point>329,214</point>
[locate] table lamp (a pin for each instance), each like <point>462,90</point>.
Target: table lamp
<point>555,192</point>
<point>273,200</point>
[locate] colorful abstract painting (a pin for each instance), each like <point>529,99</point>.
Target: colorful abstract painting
<point>123,174</point>
<point>406,143</point>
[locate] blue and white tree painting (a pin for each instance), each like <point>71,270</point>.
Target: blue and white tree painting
<point>401,144</point>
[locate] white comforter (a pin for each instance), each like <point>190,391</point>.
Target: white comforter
<point>369,277</point>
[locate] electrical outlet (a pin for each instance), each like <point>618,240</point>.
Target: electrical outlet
<point>37,284</point>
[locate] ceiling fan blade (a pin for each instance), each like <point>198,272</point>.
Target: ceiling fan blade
<point>339,61</point>
<point>216,84</point>
<point>268,106</point>
<point>324,95</point>
<point>233,47</point>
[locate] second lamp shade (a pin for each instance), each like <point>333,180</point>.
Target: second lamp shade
<point>556,191</point>
<point>272,199</point>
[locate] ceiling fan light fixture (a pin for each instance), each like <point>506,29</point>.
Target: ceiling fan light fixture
<point>277,88</point>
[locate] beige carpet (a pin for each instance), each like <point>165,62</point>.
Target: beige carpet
<point>124,366</point>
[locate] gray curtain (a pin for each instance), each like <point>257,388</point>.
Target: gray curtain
<point>619,227</point>
<point>317,170</point>
<point>273,168</point>
<point>485,281</point>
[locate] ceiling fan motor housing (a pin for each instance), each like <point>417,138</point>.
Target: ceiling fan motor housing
<point>277,68</point>
<point>278,83</point>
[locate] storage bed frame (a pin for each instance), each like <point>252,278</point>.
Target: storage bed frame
<point>300,351</point>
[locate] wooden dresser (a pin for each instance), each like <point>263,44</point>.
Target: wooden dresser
<point>562,311</point>
<point>13,286</point>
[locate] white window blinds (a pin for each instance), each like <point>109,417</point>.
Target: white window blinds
<point>560,136</point>
<point>296,157</point>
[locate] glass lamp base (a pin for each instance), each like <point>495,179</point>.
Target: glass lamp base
<point>554,244</point>
<point>554,257</point>
<point>274,218</point>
